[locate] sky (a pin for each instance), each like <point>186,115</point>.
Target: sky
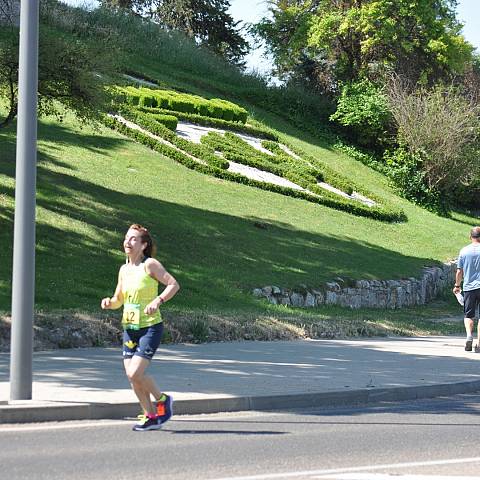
<point>468,13</point>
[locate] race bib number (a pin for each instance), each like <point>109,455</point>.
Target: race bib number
<point>131,315</point>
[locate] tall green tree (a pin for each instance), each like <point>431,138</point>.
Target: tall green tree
<point>329,42</point>
<point>207,21</point>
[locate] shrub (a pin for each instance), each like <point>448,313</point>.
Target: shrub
<point>168,120</point>
<point>440,129</point>
<point>261,132</point>
<point>363,109</point>
<point>405,169</point>
<point>185,103</point>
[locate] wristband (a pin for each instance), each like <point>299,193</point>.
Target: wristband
<point>162,301</point>
<point>456,286</point>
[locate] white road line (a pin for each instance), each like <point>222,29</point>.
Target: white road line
<point>325,473</point>
<point>394,476</point>
<point>61,426</point>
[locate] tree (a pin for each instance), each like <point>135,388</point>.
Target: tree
<point>345,40</point>
<point>207,21</point>
<point>71,72</point>
<point>439,140</point>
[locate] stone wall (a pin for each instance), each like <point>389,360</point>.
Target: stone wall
<point>390,294</point>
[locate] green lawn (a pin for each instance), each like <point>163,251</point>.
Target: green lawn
<point>92,184</point>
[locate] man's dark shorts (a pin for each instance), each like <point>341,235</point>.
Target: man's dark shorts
<point>471,301</point>
<point>143,342</point>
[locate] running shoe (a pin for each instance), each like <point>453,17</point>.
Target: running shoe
<point>147,423</point>
<point>165,408</point>
<point>468,345</point>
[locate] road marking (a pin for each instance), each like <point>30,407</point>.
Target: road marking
<point>396,476</point>
<point>325,473</point>
<point>62,426</point>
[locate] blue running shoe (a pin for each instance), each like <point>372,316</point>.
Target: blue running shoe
<point>147,423</point>
<point>165,408</point>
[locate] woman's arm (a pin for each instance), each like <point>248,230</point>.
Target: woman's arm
<point>157,271</point>
<point>112,303</point>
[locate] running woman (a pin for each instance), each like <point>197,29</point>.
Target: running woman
<point>137,291</point>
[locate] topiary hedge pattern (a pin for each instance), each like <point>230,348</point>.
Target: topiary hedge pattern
<point>182,102</point>
<point>158,111</point>
<point>215,122</point>
<point>233,148</point>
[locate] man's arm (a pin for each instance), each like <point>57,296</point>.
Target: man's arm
<point>458,281</point>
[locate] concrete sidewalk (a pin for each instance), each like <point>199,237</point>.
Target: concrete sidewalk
<point>90,383</point>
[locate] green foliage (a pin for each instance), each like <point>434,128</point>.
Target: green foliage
<point>144,45</point>
<point>325,42</point>
<point>206,21</point>
<point>72,71</point>
<point>169,121</point>
<point>184,103</point>
<point>363,109</point>
<point>199,330</point>
<point>440,128</point>
<point>365,157</point>
<point>305,171</point>
<point>261,132</point>
<point>149,123</point>
<point>405,169</point>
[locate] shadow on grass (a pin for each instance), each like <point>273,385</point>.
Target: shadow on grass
<point>217,258</point>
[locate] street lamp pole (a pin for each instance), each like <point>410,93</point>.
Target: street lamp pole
<point>23,277</point>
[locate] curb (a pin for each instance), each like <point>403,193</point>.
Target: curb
<point>26,412</point>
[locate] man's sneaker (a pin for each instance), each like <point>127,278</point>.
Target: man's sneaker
<point>477,348</point>
<point>147,423</point>
<point>165,408</point>
<point>468,345</point>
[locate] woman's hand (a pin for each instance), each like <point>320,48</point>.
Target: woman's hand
<point>152,307</point>
<point>106,303</point>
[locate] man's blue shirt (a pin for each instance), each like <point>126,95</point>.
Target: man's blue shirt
<point>469,262</point>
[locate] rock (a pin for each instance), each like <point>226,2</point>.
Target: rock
<point>297,300</point>
<point>267,291</point>
<point>309,300</point>
<point>367,293</point>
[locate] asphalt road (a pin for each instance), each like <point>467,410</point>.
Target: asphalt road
<point>421,440</point>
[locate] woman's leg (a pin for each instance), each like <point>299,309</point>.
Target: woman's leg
<point>141,384</point>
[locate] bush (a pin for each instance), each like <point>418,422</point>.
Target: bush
<point>168,120</point>
<point>184,103</point>
<point>261,132</point>
<point>363,109</point>
<point>440,129</point>
<point>405,169</point>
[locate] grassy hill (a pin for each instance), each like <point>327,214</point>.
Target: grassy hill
<point>93,183</point>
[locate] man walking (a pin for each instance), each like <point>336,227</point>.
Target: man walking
<point>468,269</point>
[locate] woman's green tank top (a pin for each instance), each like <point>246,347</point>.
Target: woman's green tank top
<point>138,289</point>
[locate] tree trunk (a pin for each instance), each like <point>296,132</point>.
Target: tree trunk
<point>11,115</point>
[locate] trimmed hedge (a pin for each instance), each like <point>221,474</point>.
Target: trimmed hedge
<point>183,102</point>
<point>215,122</point>
<point>302,178</point>
<point>152,110</point>
<point>198,151</point>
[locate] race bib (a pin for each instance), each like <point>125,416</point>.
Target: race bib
<point>131,315</point>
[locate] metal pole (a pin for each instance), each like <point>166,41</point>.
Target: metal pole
<point>23,278</point>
